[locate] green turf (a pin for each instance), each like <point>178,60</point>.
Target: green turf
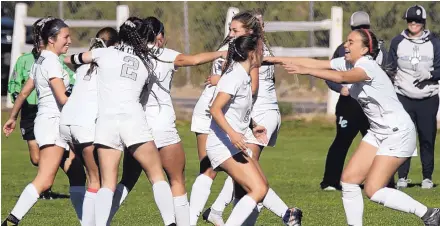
<point>294,169</point>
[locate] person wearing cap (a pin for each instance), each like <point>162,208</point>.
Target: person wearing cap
<point>350,119</point>
<point>415,56</point>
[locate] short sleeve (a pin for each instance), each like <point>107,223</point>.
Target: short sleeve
<point>229,84</point>
<point>368,66</point>
<point>171,55</point>
<point>98,53</point>
<point>53,68</point>
<point>340,64</point>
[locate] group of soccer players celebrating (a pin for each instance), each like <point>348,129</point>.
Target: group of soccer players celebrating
<point>121,105</point>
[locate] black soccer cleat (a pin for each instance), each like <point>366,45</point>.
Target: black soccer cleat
<point>11,220</point>
<point>433,219</point>
<point>293,217</point>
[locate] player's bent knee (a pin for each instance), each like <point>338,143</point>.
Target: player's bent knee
<point>259,191</point>
<point>371,189</point>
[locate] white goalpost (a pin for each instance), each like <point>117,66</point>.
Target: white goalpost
<point>19,45</point>
<point>334,25</point>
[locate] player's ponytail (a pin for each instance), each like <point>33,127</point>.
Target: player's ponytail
<point>239,49</point>
<point>37,28</point>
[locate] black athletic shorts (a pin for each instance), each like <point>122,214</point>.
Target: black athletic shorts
<point>28,114</point>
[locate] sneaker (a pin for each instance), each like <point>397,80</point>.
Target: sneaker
<point>434,218</point>
<point>213,217</point>
<point>292,217</point>
<point>402,183</point>
<point>11,220</point>
<point>329,188</point>
<point>427,184</point>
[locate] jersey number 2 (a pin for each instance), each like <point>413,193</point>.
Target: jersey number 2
<point>129,68</point>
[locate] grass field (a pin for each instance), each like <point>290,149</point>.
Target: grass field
<point>294,169</point>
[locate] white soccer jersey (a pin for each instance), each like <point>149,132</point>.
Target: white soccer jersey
<point>122,78</point>
<point>209,90</point>
<point>82,107</point>
<point>376,97</point>
<point>160,83</point>
<point>267,97</point>
<point>237,83</point>
<point>46,67</point>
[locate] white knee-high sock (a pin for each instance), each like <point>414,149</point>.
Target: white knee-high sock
<point>27,199</point>
<point>103,204</point>
<point>225,196</point>
<point>353,203</point>
<point>88,217</point>
<point>397,200</point>
<point>253,217</point>
<point>241,211</point>
<point>77,194</point>
<point>199,196</point>
<point>274,203</point>
<point>120,195</point>
<point>181,207</point>
<point>164,201</point>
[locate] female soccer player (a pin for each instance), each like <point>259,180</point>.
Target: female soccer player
<point>391,138</point>
<point>50,80</point>
<point>29,109</point>
<point>123,71</point>
<point>161,116</point>
<point>241,24</point>
<point>265,112</point>
<point>230,109</point>
<point>415,54</point>
<point>77,124</point>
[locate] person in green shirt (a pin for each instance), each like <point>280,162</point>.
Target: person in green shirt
<point>29,109</point>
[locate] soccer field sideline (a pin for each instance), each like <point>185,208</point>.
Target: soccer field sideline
<point>294,169</point>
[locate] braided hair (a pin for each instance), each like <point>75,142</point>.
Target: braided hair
<point>239,49</point>
<point>132,34</point>
<point>105,37</point>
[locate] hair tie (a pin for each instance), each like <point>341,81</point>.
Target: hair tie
<point>129,23</point>
<point>370,41</point>
<point>45,20</point>
<point>94,40</point>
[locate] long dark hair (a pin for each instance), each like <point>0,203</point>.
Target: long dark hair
<point>105,37</point>
<point>250,22</point>
<point>370,41</point>
<point>239,49</point>
<point>133,33</point>
<point>37,28</point>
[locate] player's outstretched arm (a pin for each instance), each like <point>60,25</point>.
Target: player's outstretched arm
<point>183,60</point>
<point>300,61</point>
<point>351,76</point>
